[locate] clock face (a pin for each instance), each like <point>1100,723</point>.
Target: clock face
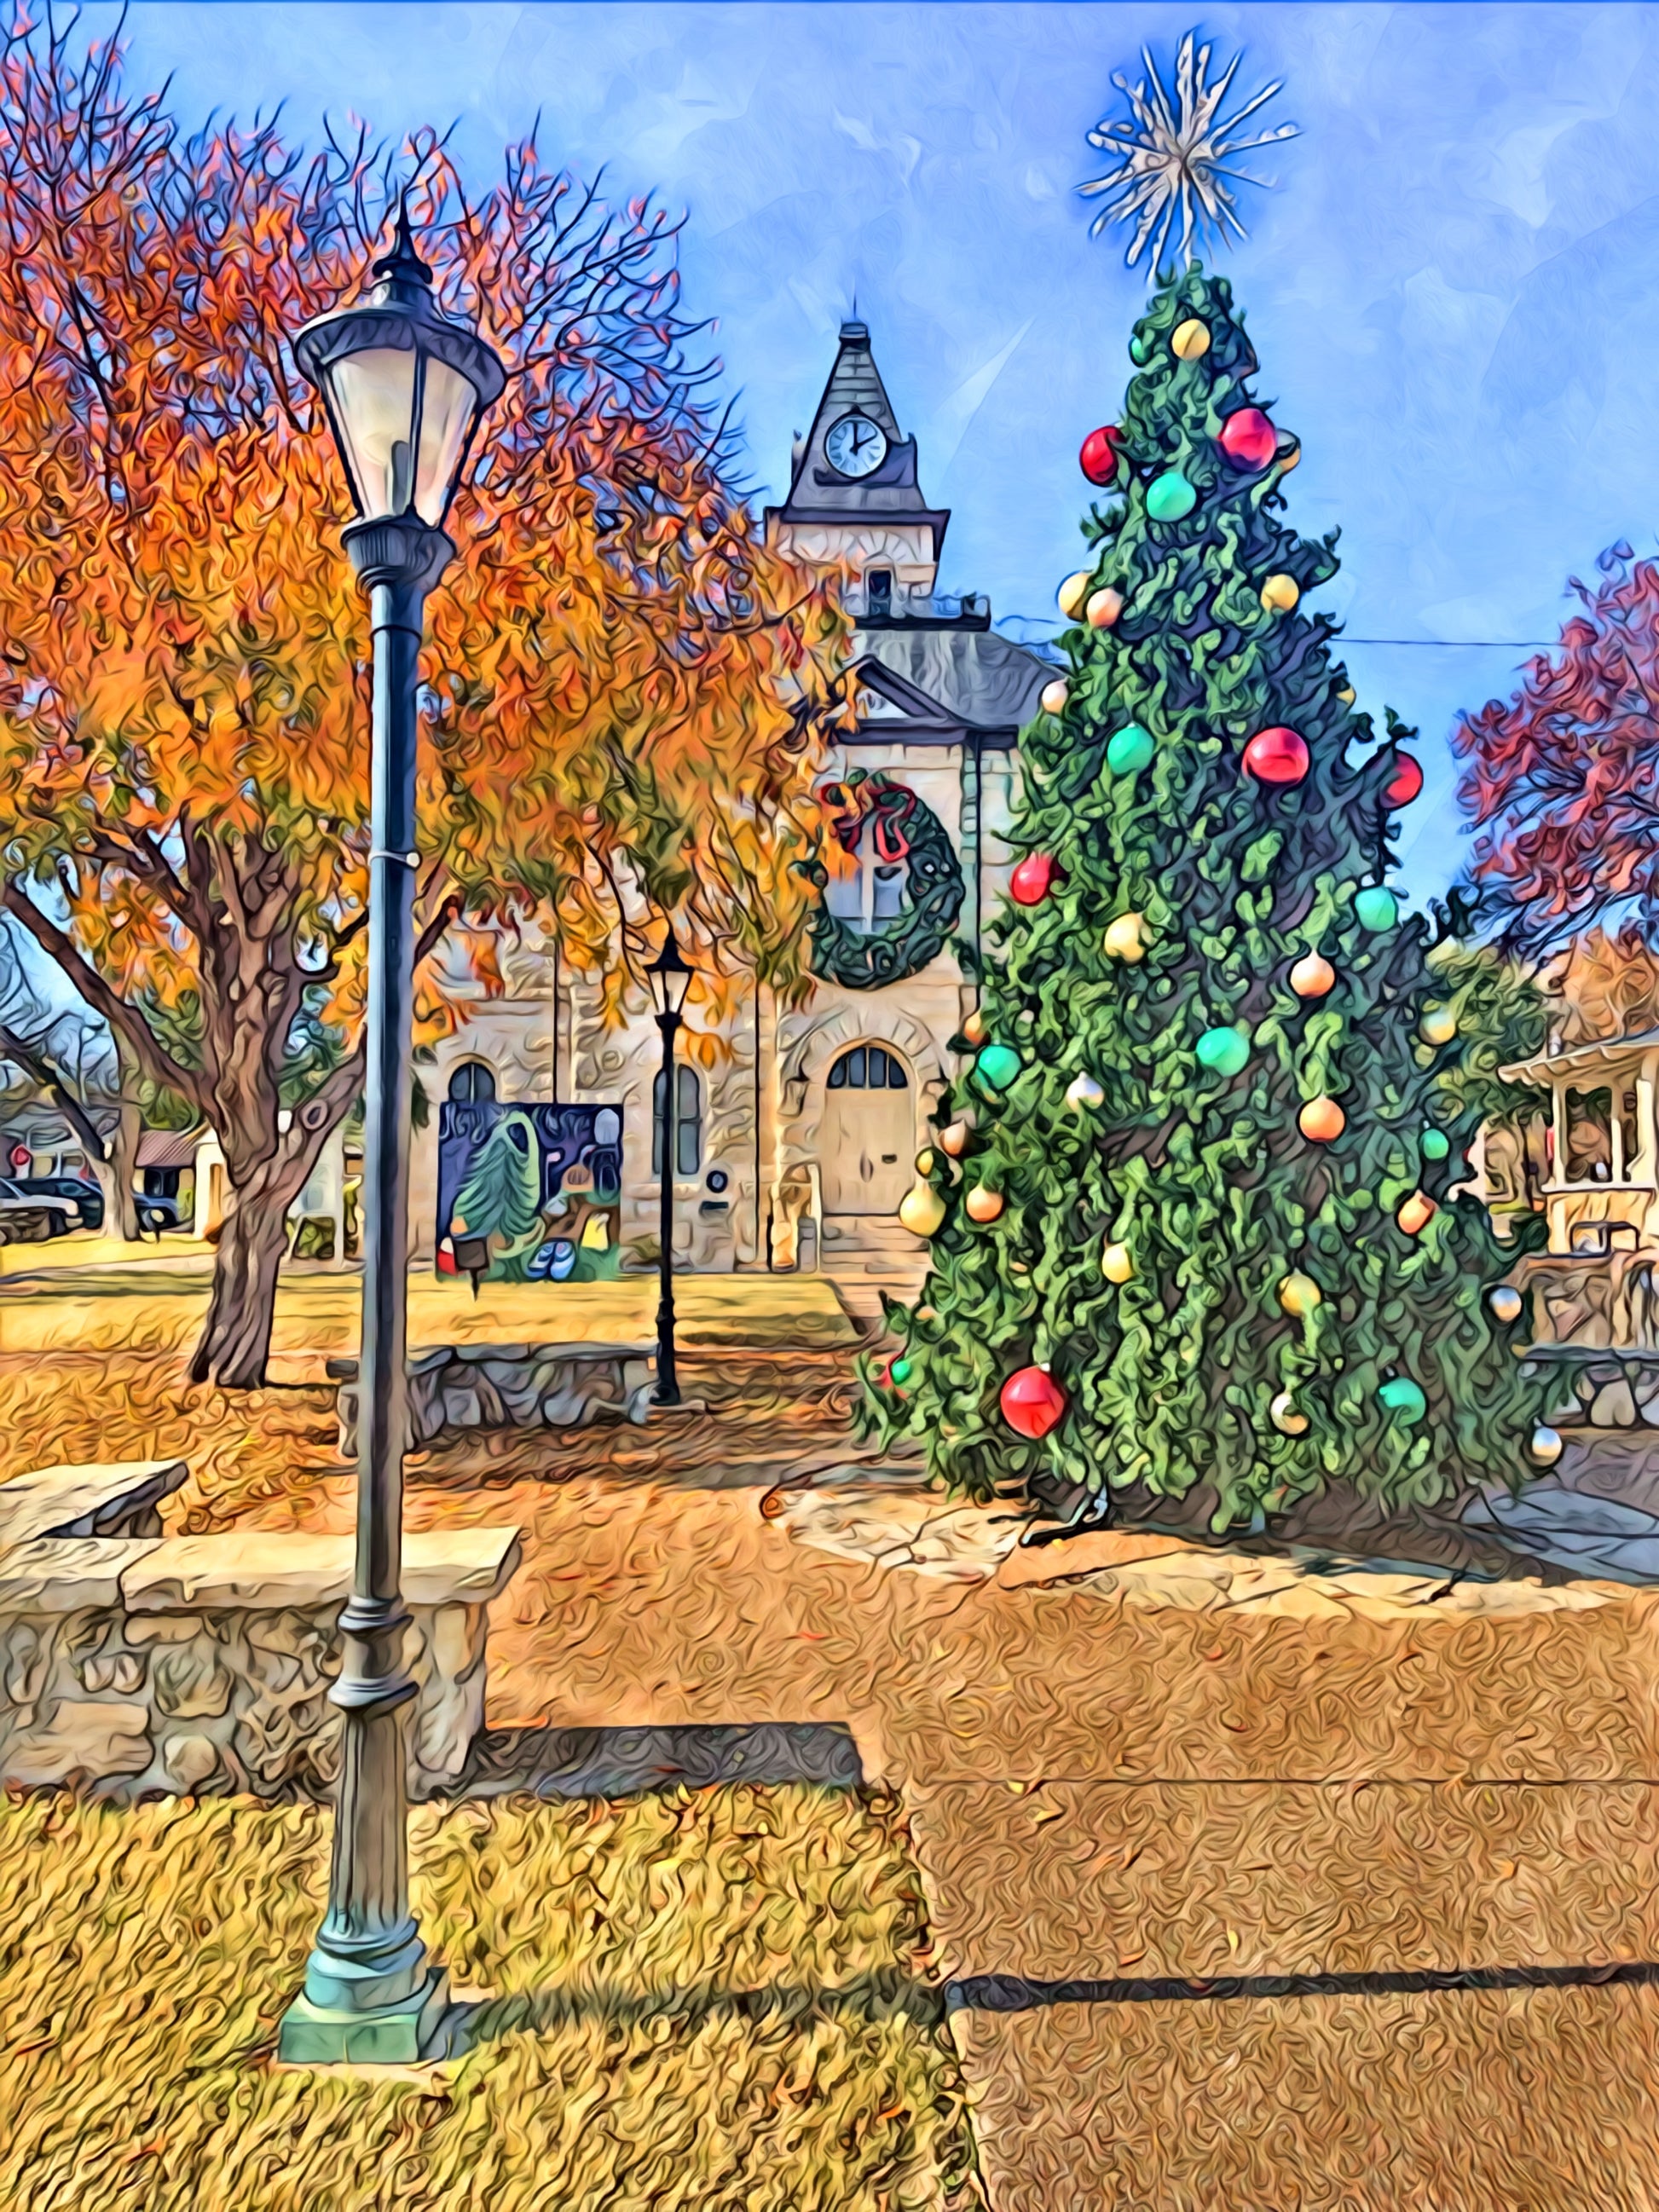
<point>855,445</point>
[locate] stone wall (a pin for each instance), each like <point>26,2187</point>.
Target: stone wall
<point>133,1664</point>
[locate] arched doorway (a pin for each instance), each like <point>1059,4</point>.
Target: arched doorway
<point>868,1132</point>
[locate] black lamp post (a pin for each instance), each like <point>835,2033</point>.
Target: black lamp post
<point>404,390</point>
<point>670,979</point>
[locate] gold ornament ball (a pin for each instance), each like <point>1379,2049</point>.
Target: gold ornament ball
<point>974,1031</point>
<point>1287,1416</point>
<point>1072,592</point>
<point>1289,459</point>
<point>1506,1302</point>
<point>1347,695</point>
<point>924,1163</point>
<point>1103,608</point>
<point>1438,1025</point>
<point>1054,695</point>
<point>983,1204</point>
<point>1190,340</point>
<point>1546,1445</point>
<point>921,1210</point>
<point>926,1313</point>
<point>1299,1294</point>
<point>1124,940</point>
<point>1280,593</point>
<point>953,1139</point>
<point>1117,1263</point>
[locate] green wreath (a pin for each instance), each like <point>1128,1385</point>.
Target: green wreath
<point>903,828</point>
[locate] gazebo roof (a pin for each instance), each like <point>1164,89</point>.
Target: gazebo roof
<point>1545,1068</point>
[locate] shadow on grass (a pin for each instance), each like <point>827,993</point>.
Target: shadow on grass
<point>886,1994</point>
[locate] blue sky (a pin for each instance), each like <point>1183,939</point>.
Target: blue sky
<point>1454,292</point>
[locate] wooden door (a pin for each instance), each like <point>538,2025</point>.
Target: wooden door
<point>868,1133</point>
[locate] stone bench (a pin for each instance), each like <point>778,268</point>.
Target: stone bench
<point>114,1498</point>
<point>132,1665</point>
<point>511,1386</point>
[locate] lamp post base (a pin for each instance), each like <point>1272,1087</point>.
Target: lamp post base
<point>392,2035</point>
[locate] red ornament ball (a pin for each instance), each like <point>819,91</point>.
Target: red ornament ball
<point>1098,460</point>
<point>1032,1402</point>
<point>1276,756</point>
<point>1249,438</point>
<point>1033,880</point>
<point>1407,782</point>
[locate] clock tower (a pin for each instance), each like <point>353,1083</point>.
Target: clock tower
<point>853,497</point>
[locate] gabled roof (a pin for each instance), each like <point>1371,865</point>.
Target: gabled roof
<point>818,493</point>
<point>952,682</point>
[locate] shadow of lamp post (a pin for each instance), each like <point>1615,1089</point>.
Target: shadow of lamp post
<point>404,389</point>
<point>671,978</point>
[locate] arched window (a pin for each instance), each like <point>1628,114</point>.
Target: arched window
<point>868,1068</point>
<point>472,1083</point>
<point>688,1122</point>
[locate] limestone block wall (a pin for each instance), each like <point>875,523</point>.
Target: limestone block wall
<point>131,1666</point>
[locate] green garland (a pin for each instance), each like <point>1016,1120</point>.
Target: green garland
<point>863,961</point>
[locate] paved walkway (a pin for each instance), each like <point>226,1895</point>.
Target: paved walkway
<point>1202,1835</point>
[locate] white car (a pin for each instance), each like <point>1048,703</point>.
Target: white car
<point>33,1217</point>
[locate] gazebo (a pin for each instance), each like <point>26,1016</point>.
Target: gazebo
<point>1593,1289</point>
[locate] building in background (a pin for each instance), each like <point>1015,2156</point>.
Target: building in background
<point>798,1146</point>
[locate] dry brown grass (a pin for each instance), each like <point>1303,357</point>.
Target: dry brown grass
<point>705,2001</point>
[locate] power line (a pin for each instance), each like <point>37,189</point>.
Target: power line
<point>1461,644</point>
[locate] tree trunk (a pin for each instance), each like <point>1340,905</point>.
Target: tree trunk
<point>235,1338</point>
<point>116,1171</point>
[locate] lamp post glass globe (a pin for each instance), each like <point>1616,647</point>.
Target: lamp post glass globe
<point>404,390</point>
<point>669,975</point>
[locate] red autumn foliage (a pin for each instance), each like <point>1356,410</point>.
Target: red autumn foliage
<point>1561,780</point>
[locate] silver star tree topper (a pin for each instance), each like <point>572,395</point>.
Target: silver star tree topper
<point>1177,151</point>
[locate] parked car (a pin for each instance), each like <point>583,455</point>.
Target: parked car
<point>29,1216</point>
<point>87,1195</point>
<point>157,1213</point>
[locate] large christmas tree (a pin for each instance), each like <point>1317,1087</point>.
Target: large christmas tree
<point>1191,1210</point>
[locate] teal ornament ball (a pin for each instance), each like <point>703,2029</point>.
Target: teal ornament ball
<point>1403,1399</point>
<point>1138,353</point>
<point>1130,749</point>
<point>1168,497</point>
<point>899,1371</point>
<point>1223,1052</point>
<point>1376,909</point>
<point>1434,1144</point>
<point>998,1065</point>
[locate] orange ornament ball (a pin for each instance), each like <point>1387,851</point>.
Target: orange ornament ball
<point>974,1029</point>
<point>953,1139</point>
<point>1322,1121</point>
<point>1312,976</point>
<point>983,1204</point>
<point>1415,1215</point>
<point>1104,607</point>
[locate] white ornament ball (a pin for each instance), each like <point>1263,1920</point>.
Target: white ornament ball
<point>1286,1416</point>
<point>1506,1302</point>
<point>1546,1445</point>
<point>1054,695</point>
<point>1083,1092</point>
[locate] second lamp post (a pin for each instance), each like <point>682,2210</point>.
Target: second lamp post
<point>670,979</point>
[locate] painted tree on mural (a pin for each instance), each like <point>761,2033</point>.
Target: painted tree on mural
<point>1559,782</point>
<point>622,686</point>
<point>1196,1230</point>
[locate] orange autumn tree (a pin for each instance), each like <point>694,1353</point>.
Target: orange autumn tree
<point>622,687</point>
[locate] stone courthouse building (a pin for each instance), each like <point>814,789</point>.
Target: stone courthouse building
<point>798,1148</point>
